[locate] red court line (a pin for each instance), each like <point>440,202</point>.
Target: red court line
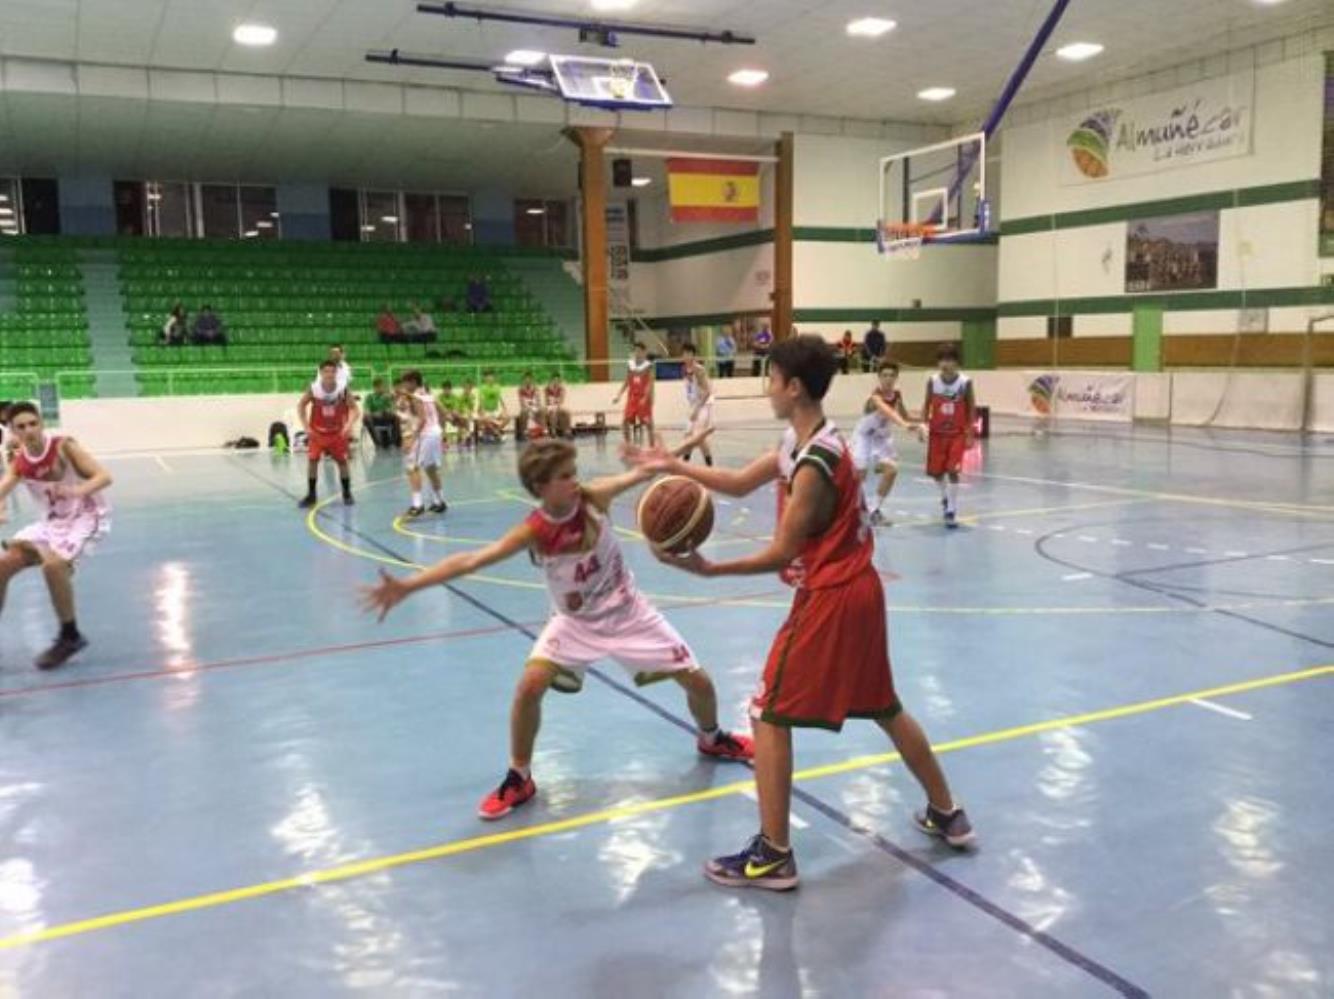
<point>323,650</point>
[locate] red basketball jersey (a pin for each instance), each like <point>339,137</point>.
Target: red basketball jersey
<point>640,380</point>
<point>328,415</point>
<point>845,547</point>
<point>948,414</point>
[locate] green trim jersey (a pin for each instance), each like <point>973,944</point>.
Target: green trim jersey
<point>844,548</point>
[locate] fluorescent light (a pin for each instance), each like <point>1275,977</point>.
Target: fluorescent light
<point>264,224</point>
<point>391,219</point>
<point>4,198</point>
<point>748,77</point>
<point>524,57</point>
<point>870,27</point>
<point>254,34</point>
<point>368,228</point>
<point>1079,51</point>
<point>154,196</point>
<point>936,93</point>
<point>273,215</point>
<point>641,181</point>
<point>613,4</point>
<point>1269,3</point>
<point>537,211</point>
<point>6,211</point>
<point>251,233</point>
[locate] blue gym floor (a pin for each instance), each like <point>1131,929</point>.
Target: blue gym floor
<point>245,787</point>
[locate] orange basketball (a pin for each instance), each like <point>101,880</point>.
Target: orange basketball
<point>675,514</point>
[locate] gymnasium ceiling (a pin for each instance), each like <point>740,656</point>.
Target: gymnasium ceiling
<point>815,69</point>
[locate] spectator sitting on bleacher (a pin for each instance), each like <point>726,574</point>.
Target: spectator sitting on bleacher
<point>847,350</point>
<point>479,295</point>
<point>388,326</point>
<point>173,330</point>
<point>380,416</point>
<point>208,328</point>
<point>553,406</point>
<point>420,328</point>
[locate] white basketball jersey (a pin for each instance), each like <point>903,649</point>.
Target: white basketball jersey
<point>430,418</point>
<point>582,583</point>
<point>875,423</point>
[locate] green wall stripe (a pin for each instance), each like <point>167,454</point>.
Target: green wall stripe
<point>1270,194</point>
<point>943,315</point>
<point>759,237</point>
<point>1192,301</point>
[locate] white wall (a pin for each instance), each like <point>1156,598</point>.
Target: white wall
<point>1263,246</point>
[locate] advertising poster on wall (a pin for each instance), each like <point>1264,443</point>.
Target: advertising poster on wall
<point>1082,396</point>
<point>1205,122</point>
<point>1172,253</point>
<point>1327,165</point>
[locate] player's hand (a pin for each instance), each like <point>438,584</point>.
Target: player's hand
<point>692,561</point>
<point>653,459</point>
<point>384,596</point>
<point>968,442</point>
<point>920,431</point>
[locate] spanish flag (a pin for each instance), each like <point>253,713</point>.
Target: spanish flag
<point>713,190</point>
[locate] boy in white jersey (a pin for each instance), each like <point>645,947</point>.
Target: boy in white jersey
<point>873,438</point>
<point>68,482</point>
<point>699,398</point>
<point>427,448</point>
<point>597,611</point>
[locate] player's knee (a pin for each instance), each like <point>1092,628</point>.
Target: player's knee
<point>534,683</point>
<point>55,568</point>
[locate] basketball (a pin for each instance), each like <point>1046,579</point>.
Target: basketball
<point>675,514</point>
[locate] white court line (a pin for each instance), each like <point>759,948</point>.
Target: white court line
<point>1158,547</point>
<point>1197,551</point>
<point>1024,531</point>
<point>1235,555</point>
<point>1088,538</point>
<point>1278,558</point>
<point>1321,561</point>
<point>165,467</point>
<point>1121,542</point>
<point>1200,702</point>
<point>996,527</point>
<point>797,821</point>
<point>1074,577</point>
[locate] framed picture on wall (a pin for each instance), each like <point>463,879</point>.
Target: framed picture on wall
<point>1172,253</point>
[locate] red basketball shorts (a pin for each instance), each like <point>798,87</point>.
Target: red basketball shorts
<point>945,454</point>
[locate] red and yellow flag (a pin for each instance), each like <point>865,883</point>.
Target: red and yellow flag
<point>713,190</point>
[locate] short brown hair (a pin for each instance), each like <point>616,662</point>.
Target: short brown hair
<point>809,359</point>
<point>540,459</point>
<point>888,365</point>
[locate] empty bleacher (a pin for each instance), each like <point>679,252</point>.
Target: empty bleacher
<point>46,332</point>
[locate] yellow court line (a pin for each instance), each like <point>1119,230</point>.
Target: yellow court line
<point>375,865</point>
<point>1037,511</point>
<point>1295,509</point>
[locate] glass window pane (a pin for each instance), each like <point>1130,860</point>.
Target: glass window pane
<point>169,211</point>
<point>423,218</point>
<point>130,210</point>
<point>218,207</point>
<point>455,219</point>
<point>9,207</point>
<point>529,222</point>
<point>379,217</point>
<point>259,213</point>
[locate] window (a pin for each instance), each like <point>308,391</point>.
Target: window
<point>541,223</point>
<point>217,208</point>
<point>437,218</point>
<point>232,212</point>
<point>170,209</point>
<point>11,209</point>
<point>455,219</point>
<point>381,217</point>
<point>259,213</point>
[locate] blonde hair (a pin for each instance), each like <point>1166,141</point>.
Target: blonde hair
<point>539,461</point>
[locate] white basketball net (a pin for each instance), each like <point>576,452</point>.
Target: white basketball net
<point>900,242</point>
<point>621,81</point>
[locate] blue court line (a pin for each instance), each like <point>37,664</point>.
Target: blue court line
<point>1062,950</point>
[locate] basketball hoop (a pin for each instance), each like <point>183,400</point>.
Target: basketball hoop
<point>902,240</point>
<point>621,79</point>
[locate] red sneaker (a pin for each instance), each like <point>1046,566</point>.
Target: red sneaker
<point>514,790</point>
<point>728,746</point>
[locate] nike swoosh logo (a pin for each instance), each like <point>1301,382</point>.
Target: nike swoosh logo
<point>754,870</point>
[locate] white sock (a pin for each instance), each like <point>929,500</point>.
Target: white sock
<point>524,772</point>
<point>710,735</point>
<point>952,494</point>
<point>944,494</point>
<point>416,499</point>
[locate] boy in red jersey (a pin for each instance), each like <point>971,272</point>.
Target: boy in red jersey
<point>948,414</point>
<point>531,419</point>
<point>638,415</point>
<point>68,483</point>
<point>830,660</point>
<point>327,411</point>
<point>553,402</point>
<point>597,611</point>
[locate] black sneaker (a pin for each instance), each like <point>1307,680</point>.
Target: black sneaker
<point>440,507</point>
<point>954,827</point>
<point>306,503</point>
<point>60,652</point>
<point>951,519</point>
<point>348,500</point>
<point>878,519</point>
<point>759,865</point>
<point>414,511</point>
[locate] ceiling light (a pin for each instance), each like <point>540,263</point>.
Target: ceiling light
<point>936,93</point>
<point>154,196</point>
<point>641,181</point>
<point>1269,3</point>
<point>748,77</point>
<point>368,228</point>
<point>273,215</point>
<point>613,4</point>
<point>254,34</point>
<point>391,219</point>
<point>251,233</point>
<point>4,198</point>
<point>1079,51</point>
<point>6,211</point>
<point>870,27</point>
<point>264,224</point>
<point>524,57</point>
<point>537,211</point>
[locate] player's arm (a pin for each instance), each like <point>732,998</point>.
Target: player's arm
<point>95,477</point>
<point>891,413</point>
<point>392,590</point>
<point>8,483</point>
<point>602,491</point>
<point>303,410</point>
<point>970,414</point>
<point>728,481</point>
<point>926,403</point>
<point>353,411</point>
<point>903,418</point>
<point>621,391</point>
<point>692,442</point>
<point>808,511</point>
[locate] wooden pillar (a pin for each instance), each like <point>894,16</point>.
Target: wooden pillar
<point>593,201</point>
<point>783,206</point>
